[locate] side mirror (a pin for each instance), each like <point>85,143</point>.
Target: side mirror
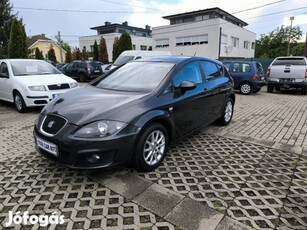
<point>187,85</point>
<point>4,75</point>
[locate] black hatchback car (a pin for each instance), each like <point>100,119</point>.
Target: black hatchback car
<point>248,76</point>
<point>131,114</point>
<point>82,70</point>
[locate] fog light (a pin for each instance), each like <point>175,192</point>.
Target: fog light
<point>93,158</point>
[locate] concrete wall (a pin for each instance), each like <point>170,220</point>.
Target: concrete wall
<point>210,27</point>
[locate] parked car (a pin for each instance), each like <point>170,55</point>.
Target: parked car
<point>29,82</point>
<point>83,70</point>
<point>51,62</point>
<point>286,73</point>
<point>130,55</point>
<point>131,114</point>
<point>248,76</point>
<point>60,65</point>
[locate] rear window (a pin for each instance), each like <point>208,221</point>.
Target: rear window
<point>289,61</point>
<point>95,65</point>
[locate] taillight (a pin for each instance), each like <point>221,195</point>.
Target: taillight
<point>256,77</point>
<point>268,72</point>
<point>88,69</point>
<point>306,73</point>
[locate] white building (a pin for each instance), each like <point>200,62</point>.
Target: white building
<point>141,38</point>
<point>211,33</point>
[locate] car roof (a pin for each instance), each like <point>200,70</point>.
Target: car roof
<point>240,61</point>
<point>21,59</point>
<point>175,59</point>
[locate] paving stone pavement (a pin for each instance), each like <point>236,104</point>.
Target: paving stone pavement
<point>251,182</point>
<point>279,117</point>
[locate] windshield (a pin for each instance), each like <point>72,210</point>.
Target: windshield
<point>122,60</point>
<point>29,67</point>
<point>136,76</point>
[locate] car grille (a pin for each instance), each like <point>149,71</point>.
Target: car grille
<point>60,86</point>
<point>52,125</point>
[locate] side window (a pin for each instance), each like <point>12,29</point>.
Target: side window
<point>3,69</point>
<point>246,68</point>
<point>190,72</point>
<point>211,70</point>
<point>237,67</point>
<point>227,66</point>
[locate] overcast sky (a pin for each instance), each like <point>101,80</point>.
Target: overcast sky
<point>74,18</point>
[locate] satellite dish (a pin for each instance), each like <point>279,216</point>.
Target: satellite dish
<point>228,49</point>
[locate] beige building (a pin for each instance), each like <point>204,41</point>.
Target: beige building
<point>43,44</point>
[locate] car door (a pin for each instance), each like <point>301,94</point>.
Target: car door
<point>216,85</point>
<point>5,83</point>
<point>187,106</point>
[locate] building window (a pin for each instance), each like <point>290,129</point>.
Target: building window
<point>46,45</point>
<point>224,39</point>
<point>179,20</point>
<point>162,42</point>
<point>235,41</point>
<point>192,40</point>
<point>143,47</point>
<point>121,31</point>
<point>246,44</point>
<point>201,17</point>
<point>133,47</point>
<point>253,45</point>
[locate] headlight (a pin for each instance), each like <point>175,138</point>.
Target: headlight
<point>73,85</point>
<point>100,129</point>
<point>37,88</point>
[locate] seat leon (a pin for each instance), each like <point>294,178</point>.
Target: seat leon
<point>130,115</point>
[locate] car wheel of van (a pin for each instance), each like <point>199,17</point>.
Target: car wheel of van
<point>81,77</point>
<point>270,88</point>
<point>151,147</point>
<point>304,90</point>
<point>227,113</point>
<point>246,88</point>
<point>20,103</point>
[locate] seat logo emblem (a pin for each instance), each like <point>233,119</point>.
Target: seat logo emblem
<point>50,124</point>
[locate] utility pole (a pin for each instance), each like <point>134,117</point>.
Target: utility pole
<point>289,39</point>
<point>60,44</point>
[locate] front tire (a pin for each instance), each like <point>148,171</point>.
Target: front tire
<point>246,88</point>
<point>227,113</point>
<point>270,88</point>
<point>82,77</point>
<point>151,147</point>
<point>20,103</point>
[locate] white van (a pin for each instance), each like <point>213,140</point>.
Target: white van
<point>130,55</point>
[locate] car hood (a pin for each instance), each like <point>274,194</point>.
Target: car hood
<point>48,79</point>
<point>88,104</point>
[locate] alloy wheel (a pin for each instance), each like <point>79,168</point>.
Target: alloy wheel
<point>246,89</point>
<point>228,111</point>
<point>154,147</point>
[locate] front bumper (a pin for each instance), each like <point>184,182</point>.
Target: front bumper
<point>87,153</point>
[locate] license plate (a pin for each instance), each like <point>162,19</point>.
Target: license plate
<point>286,80</point>
<point>262,78</point>
<point>96,71</point>
<point>47,146</point>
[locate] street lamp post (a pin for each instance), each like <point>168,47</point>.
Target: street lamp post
<point>289,39</point>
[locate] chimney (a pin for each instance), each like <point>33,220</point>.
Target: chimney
<point>43,35</point>
<point>125,23</point>
<point>107,23</point>
<point>147,27</point>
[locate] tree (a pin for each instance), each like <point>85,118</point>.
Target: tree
<point>39,54</point>
<point>68,56</point>
<point>84,54</point>
<point>51,54</point>
<point>115,53</point>
<point>6,18</point>
<point>124,43</point>
<point>103,52</point>
<point>17,47</point>
<point>276,43</point>
<point>75,54</point>
<point>95,51</point>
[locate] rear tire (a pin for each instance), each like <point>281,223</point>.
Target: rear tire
<point>270,88</point>
<point>20,103</point>
<point>151,147</point>
<point>82,77</point>
<point>227,113</point>
<point>246,88</point>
